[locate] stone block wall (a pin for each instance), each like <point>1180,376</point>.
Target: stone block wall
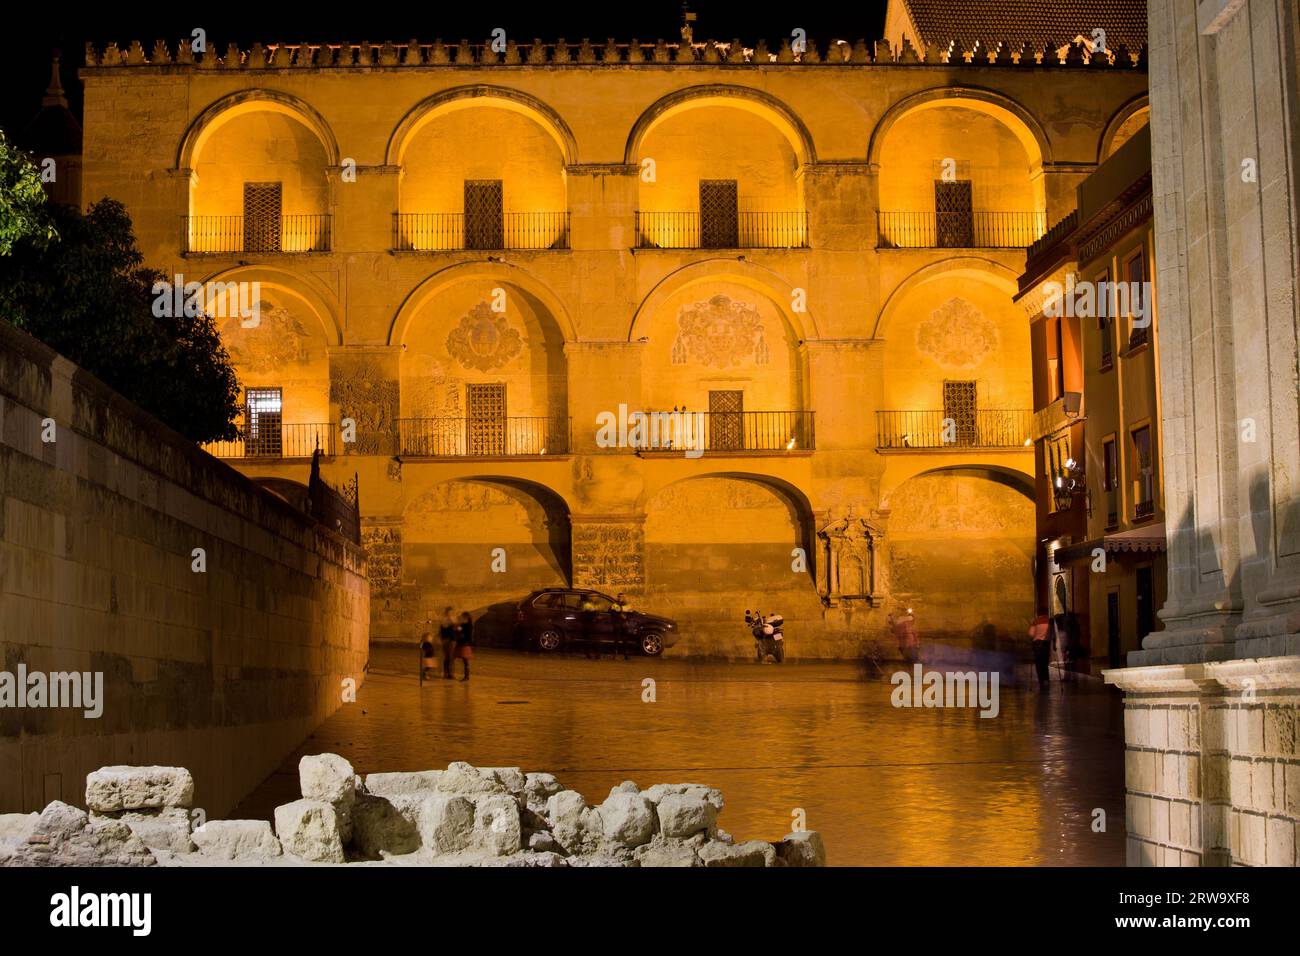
<point>224,670</point>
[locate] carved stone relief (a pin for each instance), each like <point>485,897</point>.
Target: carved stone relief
<point>847,569</point>
<point>719,333</point>
<point>363,392</point>
<point>484,340</point>
<point>957,335</point>
<point>610,557</point>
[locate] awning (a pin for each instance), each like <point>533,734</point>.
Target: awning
<point>1149,539</point>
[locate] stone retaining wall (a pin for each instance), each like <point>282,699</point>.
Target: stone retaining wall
<point>225,670</point>
<point>461,816</point>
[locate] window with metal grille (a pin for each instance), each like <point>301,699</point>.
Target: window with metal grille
<point>726,420</point>
<point>1143,473</point>
<point>263,422</point>
<point>1139,309</point>
<point>959,405</point>
<point>954,219</point>
<point>1110,479</point>
<point>263,206</point>
<point>719,214</point>
<point>486,424</point>
<point>484,214</point>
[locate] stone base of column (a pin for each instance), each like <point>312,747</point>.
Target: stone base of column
<point>1212,762</point>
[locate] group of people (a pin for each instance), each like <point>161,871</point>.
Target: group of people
<point>590,633</point>
<point>456,635</point>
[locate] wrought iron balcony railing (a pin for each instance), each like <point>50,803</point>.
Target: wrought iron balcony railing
<point>748,230</point>
<point>959,230</point>
<point>277,440</point>
<point>291,234</point>
<point>936,429</point>
<point>726,431</point>
<point>483,437</point>
<point>449,231</point>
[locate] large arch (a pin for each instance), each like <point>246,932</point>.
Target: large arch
<point>465,97</point>
<point>759,278</point>
<point>959,267</point>
<point>1135,106</point>
<point>251,101</point>
<point>1018,480</point>
<point>296,284</point>
<point>720,94</point>
<point>1019,120</point>
<point>503,272</point>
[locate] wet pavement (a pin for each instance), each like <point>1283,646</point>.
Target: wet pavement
<point>885,786</point>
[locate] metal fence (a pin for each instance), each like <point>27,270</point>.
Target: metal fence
<point>213,234</point>
<point>276,440</point>
<point>726,431</point>
<point>985,428</point>
<point>751,230</point>
<point>445,231</point>
<point>959,230</point>
<point>483,437</point>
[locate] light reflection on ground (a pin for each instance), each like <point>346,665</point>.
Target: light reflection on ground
<point>885,786</point>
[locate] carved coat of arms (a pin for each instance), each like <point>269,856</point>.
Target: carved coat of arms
<point>957,335</point>
<point>483,340</point>
<point>719,332</point>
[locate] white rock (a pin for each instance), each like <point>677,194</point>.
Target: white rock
<point>378,827</point>
<point>804,848</point>
<point>114,789</point>
<point>165,829</point>
<point>328,778</point>
<point>389,784</point>
<point>746,854</point>
<point>512,778</point>
<point>463,778</point>
<point>627,818</point>
<point>683,815</point>
<point>64,836</point>
<point>237,839</point>
<point>496,825</point>
<point>666,853</point>
<point>446,822</point>
<point>17,827</point>
<point>310,829</point>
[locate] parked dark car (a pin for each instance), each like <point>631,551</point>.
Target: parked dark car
<point>553,618</point>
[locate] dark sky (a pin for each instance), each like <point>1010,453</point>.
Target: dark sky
<point>24,67</point>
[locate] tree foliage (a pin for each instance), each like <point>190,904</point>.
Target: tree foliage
<point>89,297</point>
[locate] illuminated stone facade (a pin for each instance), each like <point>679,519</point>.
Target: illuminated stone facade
<point>472,254</point>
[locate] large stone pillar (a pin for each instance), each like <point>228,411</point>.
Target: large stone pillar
<point>1211,701</point>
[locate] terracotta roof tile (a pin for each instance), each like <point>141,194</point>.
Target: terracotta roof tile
<point>1039,22</point>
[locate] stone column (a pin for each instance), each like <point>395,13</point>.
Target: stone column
<point>1225,118</point>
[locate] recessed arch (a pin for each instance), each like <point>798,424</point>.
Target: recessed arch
<point>1022,123</point>
<point>970,267</point>
<point>297,285</point>
<point>1125,113</point>
<point>1021,482</point>
<point>463,272</point>
<point>466,97</point>
<point>243,103</point>
<point>719,94</point>
<point>761,279</point>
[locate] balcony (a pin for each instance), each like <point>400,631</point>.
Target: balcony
<point>452,231</point>
<point>727,432</point>
<point>926,431</point>
<point>211,235</point>
<point>273,440</point>
<point>959,230</point>
<point>1144,499</point>
<point>483,437</point>
<point>749,230</point>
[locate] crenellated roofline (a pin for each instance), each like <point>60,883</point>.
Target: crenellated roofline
<point>733,53</point>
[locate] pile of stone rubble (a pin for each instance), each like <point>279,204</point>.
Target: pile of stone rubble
<point>461,816</point>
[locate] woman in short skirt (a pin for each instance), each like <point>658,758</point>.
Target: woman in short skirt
<point>465,642</point>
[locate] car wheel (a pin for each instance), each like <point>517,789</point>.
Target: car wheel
<point>549,640</point>
<point>652,644</point>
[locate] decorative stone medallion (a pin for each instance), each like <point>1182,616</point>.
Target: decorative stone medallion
<point>277,341</point>
<point>483,340</point>
<point>957,335</point>
<point>719,332</point>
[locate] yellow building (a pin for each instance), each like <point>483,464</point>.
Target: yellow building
<point>458,264</point>
<point>1094,276</point>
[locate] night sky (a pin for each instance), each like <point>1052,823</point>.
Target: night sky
<point>24,66</point>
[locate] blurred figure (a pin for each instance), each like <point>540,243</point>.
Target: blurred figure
<point>426,655</point>
<point>465,642</point>
<point>1039,639</point>
<point>904,628</point>
<point>447,636</point>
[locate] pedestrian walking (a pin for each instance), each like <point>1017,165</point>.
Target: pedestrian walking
<point>447,636</point>
<point>426,655</point>
<point>587,612</point>
<point>904,628</point>
<point>621,637</point>
<point>1039,634</point>
<point>465,642</point>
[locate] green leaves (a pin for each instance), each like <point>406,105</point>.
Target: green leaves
<point>23,212</point>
